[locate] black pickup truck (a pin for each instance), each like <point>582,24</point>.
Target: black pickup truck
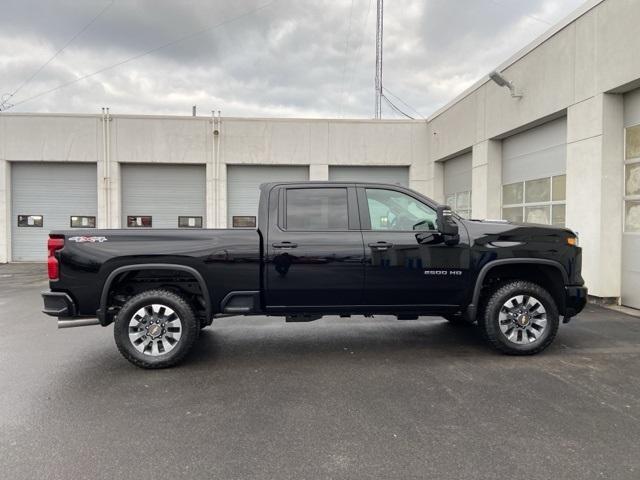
<point>320,248</point>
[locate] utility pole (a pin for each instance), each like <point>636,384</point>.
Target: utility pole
<point>379,31</point>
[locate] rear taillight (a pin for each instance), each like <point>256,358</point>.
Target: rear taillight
<point>55,243</point>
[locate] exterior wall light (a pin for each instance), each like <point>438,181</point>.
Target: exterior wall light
<point>503,82</point>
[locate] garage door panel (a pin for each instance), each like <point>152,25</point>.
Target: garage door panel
<point>56,191</point>
<point>536,153</point>
<point>631,270</point>
<point>368,173</point>
<point>631,238</point>
<point>163,192</point>
<point>243,182</point>
<point>457,174</point>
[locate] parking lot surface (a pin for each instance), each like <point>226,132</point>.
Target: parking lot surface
<point>336,398</point>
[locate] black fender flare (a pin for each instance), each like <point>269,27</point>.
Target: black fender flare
<point>473,306</point>
<point>102,316</point>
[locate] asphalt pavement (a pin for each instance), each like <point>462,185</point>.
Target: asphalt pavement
<point>336,398</point>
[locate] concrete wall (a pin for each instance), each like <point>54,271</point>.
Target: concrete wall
<point>113,140</point>
<point>579,69</point>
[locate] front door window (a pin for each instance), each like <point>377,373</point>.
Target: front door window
<point>396,211</point>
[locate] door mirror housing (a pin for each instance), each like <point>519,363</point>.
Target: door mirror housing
<point>447,226</point>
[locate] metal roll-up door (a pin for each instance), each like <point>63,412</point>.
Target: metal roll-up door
<point>457,183</point>
<point>45,197</point>
<point>534,164</point>
<point>631,233</point>
<point>535,153</point>
<point>243,194</point>
<point>161,196</point>
<point>377,174</point>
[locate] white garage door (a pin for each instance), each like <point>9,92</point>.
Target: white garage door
<point>163,196</point>
<point>243,194</point>
<point>44,197</point>
<point>631,236</point>
<point>457,184</point>
<point>534,164</point>
<point>392,175</point>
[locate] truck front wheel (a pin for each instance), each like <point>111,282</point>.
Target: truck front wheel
<point>520,318</point>
<point>155,329</point>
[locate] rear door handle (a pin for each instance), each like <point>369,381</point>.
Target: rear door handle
<point>284,245</point>
<point>381,246</point>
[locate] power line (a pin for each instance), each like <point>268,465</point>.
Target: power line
<point>402,101</point>
<point>395,108</point>
<point>533,17</point>
<point>356,54</point>
<point>150,51</point>
<point>42,67</point>
<point>346,51</point>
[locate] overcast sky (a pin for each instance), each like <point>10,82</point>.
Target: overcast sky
<point>287,58</point>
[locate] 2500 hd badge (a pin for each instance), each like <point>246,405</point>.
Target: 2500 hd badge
<point>443,272</point>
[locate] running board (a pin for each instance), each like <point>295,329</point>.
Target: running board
<point>83,322</point>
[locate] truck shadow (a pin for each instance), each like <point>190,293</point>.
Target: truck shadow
<point>274,342</point>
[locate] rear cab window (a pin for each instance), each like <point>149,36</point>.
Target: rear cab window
<point>317,209</point>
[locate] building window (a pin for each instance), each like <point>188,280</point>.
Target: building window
<point>139,222</point>
<point>83,222</point>
<point>632,180</point>
<point>246,221</point>
<point>541,200</point>
<point>461,203</point>
<point>189,222</point>
<point>30,221</point>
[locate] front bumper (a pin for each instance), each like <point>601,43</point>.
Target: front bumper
<point>58,304</point>
<point>574,301</point>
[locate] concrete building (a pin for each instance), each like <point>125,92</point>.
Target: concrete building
<point>566,152</point>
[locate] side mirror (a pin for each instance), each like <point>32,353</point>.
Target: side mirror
<point>446,225</point>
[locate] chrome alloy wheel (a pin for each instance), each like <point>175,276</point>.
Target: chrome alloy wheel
<point>522,319</point>
<point>155,330</point>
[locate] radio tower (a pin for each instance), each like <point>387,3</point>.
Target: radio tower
<point>379,31</point>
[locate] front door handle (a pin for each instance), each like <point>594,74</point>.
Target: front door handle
<point>381,246</point>
<point>284,245</point>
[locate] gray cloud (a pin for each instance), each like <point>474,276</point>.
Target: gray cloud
<point>292,58</point>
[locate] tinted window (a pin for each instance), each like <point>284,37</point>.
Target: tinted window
<point>317,209</point>
<point>83,222</point>
<point>391,210</point>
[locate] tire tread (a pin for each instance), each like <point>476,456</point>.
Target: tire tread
<point>189,336</point>
<point>495,300</point>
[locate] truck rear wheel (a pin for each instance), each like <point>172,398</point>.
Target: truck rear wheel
<point>520,318</point>
<point>155,329</point>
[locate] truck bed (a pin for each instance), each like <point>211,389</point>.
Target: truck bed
<point>227,259</point>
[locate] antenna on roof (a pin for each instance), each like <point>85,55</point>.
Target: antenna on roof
<point>378,85</point>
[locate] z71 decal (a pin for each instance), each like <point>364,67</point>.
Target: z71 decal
<point>88,239</point>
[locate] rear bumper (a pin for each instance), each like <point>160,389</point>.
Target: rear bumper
<point>58,304</point>
<point>575,300</point>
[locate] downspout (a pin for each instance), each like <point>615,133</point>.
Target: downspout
<point>104,176</point>
<point>108,169</point>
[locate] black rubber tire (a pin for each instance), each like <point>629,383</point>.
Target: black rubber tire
<point>190,329</point>
<point>488,318</point>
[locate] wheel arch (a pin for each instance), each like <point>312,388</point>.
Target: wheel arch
<point>559,279</point>
<point>106,288</point>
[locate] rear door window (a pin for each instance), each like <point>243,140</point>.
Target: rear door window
<point>317,209</point>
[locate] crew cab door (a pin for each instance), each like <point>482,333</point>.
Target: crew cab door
<point>399,270</point>
<point>314,250</point>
